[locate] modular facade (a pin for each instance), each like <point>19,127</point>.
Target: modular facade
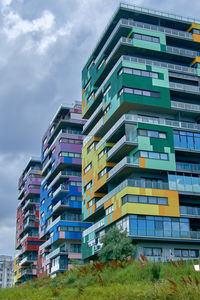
<point>27,224</point>
<point>141,153</point>
<point>61,192</point>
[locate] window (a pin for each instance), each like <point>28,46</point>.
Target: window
<point>102,173</point>
<point>146,38</point>
<point>104,151</point>
<point>196,31</point>
<point>193,253</point>
<point>107,109</point>
<point>107,90</point>
<point>88,186</point>
<point>139,92</point>
<point>91,63</point>
<point>92,95</point>
<point>75,198</point>
<point>88,168</point>
<point>152,133</point>
<point>45,140</point>
<point>109,210</point>
<point>50,207</point>
<point>153,155</point>
<point>91,202</point>
<point>101,63</point>
<point>70,154</point>
<point>186,139</point>
<point>144,199</point>
<point>75,183</point>
<point>87,84</point>
<point>75,248</point>
<point>91,146</point>
<point>71,228</point>
<point>152,251</point>
<point>34,186</point>
<point>70,141</point>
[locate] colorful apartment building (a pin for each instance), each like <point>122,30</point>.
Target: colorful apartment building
<point>61,192</point>
<point>141,153</point>
<point>27,225</point>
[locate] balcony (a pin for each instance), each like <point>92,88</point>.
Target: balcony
<point>46,244</point>
<point>185,106</point>
<point>190,211</point>
<point>53,223</point>
<point>121,148</point>
<point>182,52</point>
<point>59,206</point>
<point>33,235</point>
<point>30,203</point>
<point>27,260</point>
<point>169,66</point>
<point>176,236</point>
<point>184,184</point>
<point>151,184</point>
<point>126,162</point>
<point>60,191</point>
<point>29,213</point>
<point>28,272</point>
<point>184,88</point>
<point>64,174</point>
<point>21,193</point>
<point>188,167</point>
<point>92,118</point>
<point>55,253</point>
<point>30,223</point>
<point>134,119</point>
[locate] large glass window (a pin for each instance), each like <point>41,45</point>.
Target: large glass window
<point>159,226</point>
<point>186,139</point>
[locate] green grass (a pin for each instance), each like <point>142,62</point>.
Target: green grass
<point>117,281</point>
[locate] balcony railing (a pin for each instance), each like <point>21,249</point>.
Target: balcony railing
<point>183,183</point>
<point>190,211</point>
<point>185,106</point>
<point>133,183</point>
<point>148,120</point>
<point>187,235</point>
<point>45,244</point>
<point>184,87</point>
<point>159,64</point>
<point>123,140</point>
<point>184,166</point>
<point>61,188</point>
<point>181,51</point>
<point>30,202</point>
<point>27,260</point>
<point>126,161</point>
<point>55,253</point>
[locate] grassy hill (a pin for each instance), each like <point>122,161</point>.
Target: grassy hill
<point>118,281</point>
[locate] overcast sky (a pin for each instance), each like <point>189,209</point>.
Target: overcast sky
<point>43,47</point>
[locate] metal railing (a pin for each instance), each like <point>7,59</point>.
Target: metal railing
<point>181,51</point>
<point>134,183</point>
<point>188,166</point>
<point>185,106</point>
<point>184,87</point>
<point>55,253</point>
<point>131,161</point>
<point>172,67</point>
<point>189,210</point>
<point>123,140</point>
